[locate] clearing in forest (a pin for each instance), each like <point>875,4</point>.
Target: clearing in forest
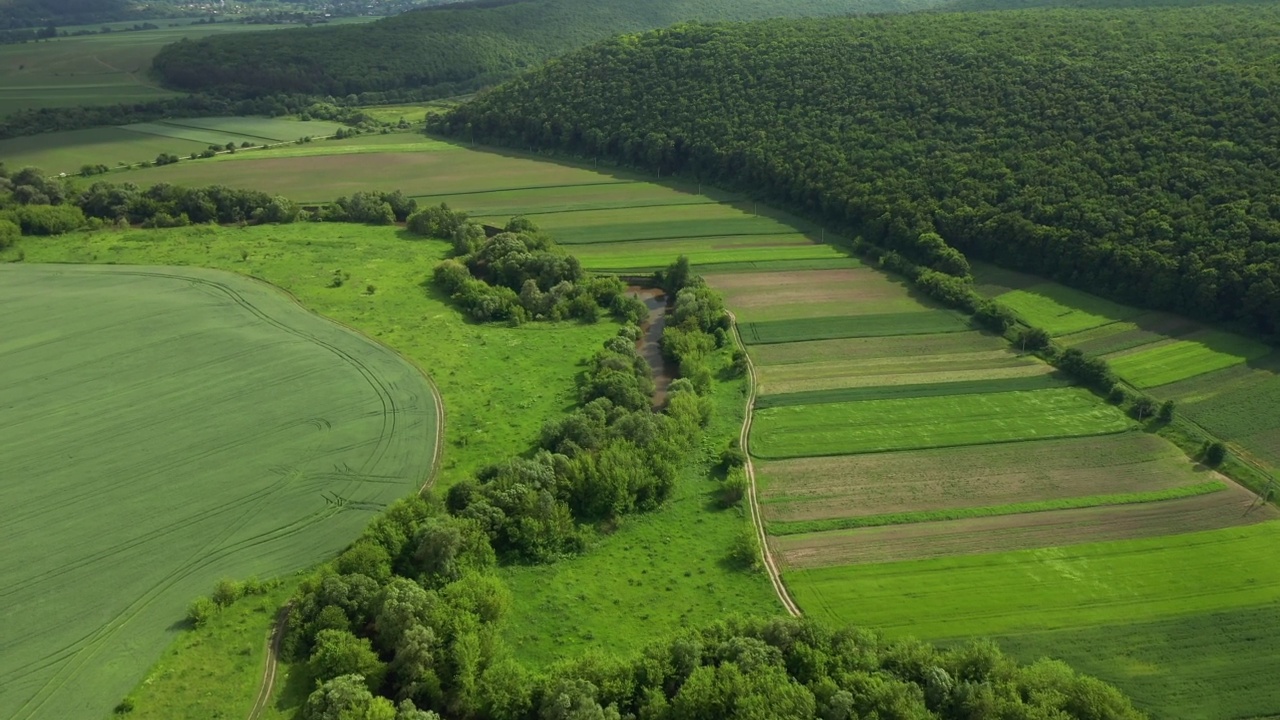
<point>163,428</point>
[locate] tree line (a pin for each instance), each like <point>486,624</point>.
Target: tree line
<point>451,49</point>
<point>1092,147</point>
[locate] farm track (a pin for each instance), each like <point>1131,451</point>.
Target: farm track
<point>757,522</point>
<point>266,686</point>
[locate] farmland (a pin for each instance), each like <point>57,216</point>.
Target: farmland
<point>484,373</point>
<point>96,69</point>
<point>850,361</point>
<point>142,142</point>
<point>203,478</point>
<point>938,421</point>
<point>1224,382</point>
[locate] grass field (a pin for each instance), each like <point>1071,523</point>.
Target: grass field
<point>111,146</point>
<point>880,425</point>
<point>144,461</point>
<point>712,253</point>
<point>100,69</point>
<point>1202,666</point>
<point>780,295</point>
<point>1173,360</point>
<point>830,328</point>
<point>1053,588</point>
<point>973,476</point>
<point>653,222</point>
<point>658,572</point>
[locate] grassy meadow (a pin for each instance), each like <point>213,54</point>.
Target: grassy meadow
<point>152,406</point>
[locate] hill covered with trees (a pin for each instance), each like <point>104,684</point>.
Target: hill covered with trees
<point>450,49</point>
<point>1132,153</point>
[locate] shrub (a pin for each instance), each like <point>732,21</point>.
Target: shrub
<point>732,458</point>
<point>1214,453</point>
<point>9,233</point>
<point>734,488</point>
<point>200,611</point>
<point>744,551</point>
<point>226,592</point>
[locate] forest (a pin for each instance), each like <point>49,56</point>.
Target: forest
<point>447,50</point>
<point>1128,153</point>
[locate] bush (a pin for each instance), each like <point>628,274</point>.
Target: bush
<point>744,551</point>
<point>1214,453</point>
<point>46,219</point>
<point>732,458</point>
<point>1166,411</point>
<point>226,592</point>
<point>734,488</point>
<point>1117,395</point>
<point>9,233</point>
<point>200,611</point>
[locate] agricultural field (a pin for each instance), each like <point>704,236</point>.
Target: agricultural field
<point>66,152</point>
<point>101,69</point>
<point>499,385</point>
<point>1226,383</point>
<point>156,395</point>
<point>926,422</point>
<point>773,296</point>
<point>1056,587</point>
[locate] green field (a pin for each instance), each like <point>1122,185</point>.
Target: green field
<point>880,425</point>
<point>1175,360</point>
<point>95,69</point>
<point>794,251</point>
<point>67,151</point>
<point>1202,666</point>
<point>1056,588</point>
<point>499,386</point>
<point>652,222</point>
<point>829,328</point>
<point>144,460</point>
<point>804,527</point>
<point>921,390</point>
<point>1061,310</point>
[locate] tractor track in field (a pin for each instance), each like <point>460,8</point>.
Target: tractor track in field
<point>266,686</point>
<point>757,521</point>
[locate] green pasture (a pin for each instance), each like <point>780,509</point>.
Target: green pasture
<point>1052,588</point>
<point>144,460</point>
<point>1175,360</point>
<point>828,328</point>
<point>900,424</point>
<point>223,130</point>
<point>750,254</point>
<point>1201,666</point>
<point>920,390</point>
<point>804,527</point>
<point>656,573</point>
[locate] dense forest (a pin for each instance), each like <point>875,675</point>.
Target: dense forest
<point>450,49</point>
<point>1131,153</point>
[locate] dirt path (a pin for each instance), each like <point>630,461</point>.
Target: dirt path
<point>744,439</point>
<point>266,687</point>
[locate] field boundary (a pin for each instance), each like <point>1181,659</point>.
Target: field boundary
<point>757,521</point>
<point>267,684</point>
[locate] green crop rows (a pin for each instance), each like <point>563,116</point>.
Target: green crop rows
<point>1180,359</point>
<point>879,425</point>
<point>923,390</point>
<point>223,429</point>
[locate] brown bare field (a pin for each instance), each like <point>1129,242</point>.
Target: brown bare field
<point>894,347</point>
<point>833,374</point>
<point>319,178</point>
<point>767,296</point>
<point>978,476</point>
<point>1021,532</point>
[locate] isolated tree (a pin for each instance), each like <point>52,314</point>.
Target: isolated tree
<point>1143,407</point>
<point>1214,453</point>
<point>1033,338</point>
<point>1166,410</point>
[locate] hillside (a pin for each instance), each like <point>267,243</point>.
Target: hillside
<point>450,49</point>
<point>1128,152</point>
